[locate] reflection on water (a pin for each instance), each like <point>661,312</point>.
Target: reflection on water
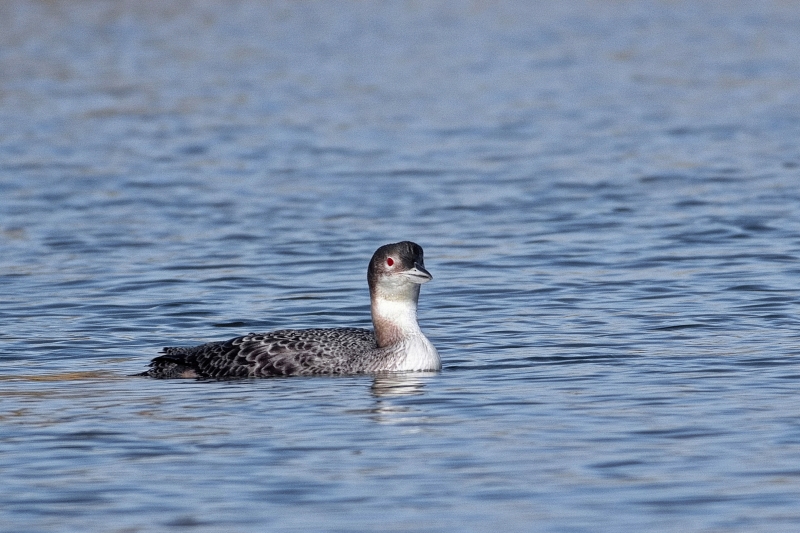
<point>388,385</point>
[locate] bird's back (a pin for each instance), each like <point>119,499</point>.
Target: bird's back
<point>279,353</point>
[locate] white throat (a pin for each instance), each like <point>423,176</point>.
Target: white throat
<point>396,328</point>
<point>394,319</point>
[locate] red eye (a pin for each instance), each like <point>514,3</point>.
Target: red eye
<point>390,261</point>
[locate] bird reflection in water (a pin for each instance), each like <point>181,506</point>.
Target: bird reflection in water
<point>390,386</point>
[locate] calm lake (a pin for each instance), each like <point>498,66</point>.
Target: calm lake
<point>608,195</point>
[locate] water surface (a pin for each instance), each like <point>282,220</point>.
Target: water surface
<point>608,195</point>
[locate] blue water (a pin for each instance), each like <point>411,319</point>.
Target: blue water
<point>608,195</point>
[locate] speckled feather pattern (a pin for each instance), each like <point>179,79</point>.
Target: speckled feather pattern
<point>278,353</point>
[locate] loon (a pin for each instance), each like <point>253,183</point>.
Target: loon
<point>394,275</point>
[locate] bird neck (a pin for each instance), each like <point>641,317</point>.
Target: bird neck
<point>395,317</point>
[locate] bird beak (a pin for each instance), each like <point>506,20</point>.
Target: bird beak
<point>418,274</point>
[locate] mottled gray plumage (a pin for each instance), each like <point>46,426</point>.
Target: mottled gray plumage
<point>279,353</point>
<point>394,275</point>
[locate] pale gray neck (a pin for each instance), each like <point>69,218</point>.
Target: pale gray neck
<point>394,316</point>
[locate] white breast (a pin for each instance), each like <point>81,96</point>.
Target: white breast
<point>419,354</point>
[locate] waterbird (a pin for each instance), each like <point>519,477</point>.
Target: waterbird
<point>395,274</point>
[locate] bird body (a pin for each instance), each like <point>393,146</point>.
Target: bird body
<point>397,343</point>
